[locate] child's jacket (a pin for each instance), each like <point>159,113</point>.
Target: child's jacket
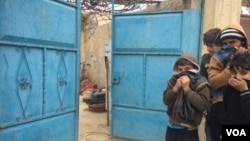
<point>198,96</point>
<point>236,105</point>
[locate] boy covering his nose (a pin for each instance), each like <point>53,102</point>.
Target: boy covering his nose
<point>185,87</point>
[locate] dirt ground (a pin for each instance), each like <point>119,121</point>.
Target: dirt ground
<point>93,126</point>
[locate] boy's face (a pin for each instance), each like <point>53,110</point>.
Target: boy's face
<point>183,68</point>
<point>211,48</point>
<point>241,73</point>
<point>233,42</point>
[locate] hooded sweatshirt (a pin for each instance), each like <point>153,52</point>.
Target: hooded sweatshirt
<point>198,94</point>
<point>218,71</point>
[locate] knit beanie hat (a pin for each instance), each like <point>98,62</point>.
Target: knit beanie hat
<point>189,57</point>
<point>231,33</point>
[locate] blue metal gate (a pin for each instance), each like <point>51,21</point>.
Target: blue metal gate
<point>39,71</point>
<point>144,48</point>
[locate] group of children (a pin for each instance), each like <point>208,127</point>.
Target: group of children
<point>217,88</point>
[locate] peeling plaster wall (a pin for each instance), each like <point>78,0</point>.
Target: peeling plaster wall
<point>93,53</point>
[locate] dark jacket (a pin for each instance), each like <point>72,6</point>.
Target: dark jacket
<point>236,106</point>
<point>205,64</point>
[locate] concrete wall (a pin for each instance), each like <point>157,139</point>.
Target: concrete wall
<point>93,51</point>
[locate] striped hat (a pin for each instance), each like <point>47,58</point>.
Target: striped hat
<point>232,34</point>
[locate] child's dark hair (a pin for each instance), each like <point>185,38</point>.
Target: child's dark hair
<point>240,60</point>
<point>212,37</point>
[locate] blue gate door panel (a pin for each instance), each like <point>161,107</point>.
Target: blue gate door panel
<point>35,131</point>
<point>129,69</point>
<point>157,70</point>
<point>38,21</point>
<point>24,99</point>
<point>144,49</point>
<point>60,84</point>
<point>39,71</point>
<point>148,31</point>
<point>191,31</point>
<point>141,124</point>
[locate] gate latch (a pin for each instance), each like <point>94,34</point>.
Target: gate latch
<point>116,80</point>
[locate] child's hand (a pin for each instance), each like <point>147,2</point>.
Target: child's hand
<point>238,83</point>
<point>185,82</point>
<point>240,49</point>
<point>177,85</point>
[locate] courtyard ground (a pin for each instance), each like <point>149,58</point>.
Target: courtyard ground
<point>93,126</point>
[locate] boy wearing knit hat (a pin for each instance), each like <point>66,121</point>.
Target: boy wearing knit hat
<point>186,85</point>
<point>233,39</point>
